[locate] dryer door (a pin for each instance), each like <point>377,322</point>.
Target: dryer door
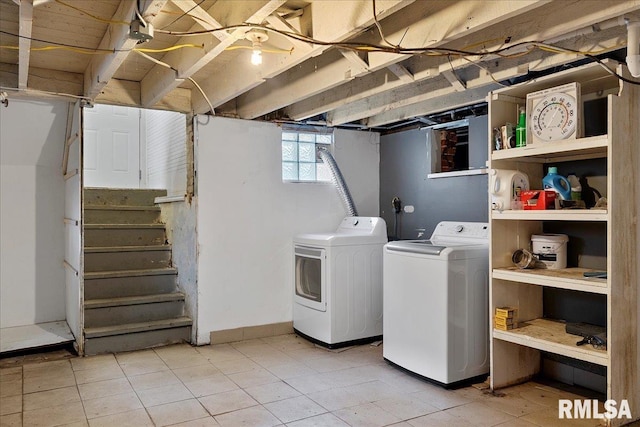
<point>310,277</point>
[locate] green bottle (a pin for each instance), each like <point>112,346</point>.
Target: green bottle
<point>521,129</point>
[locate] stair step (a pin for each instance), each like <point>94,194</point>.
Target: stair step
<point>126,197</point>
<point>133,300</point>
<point>111,235</point>
<point>129,273</point>
<point>137,336</point>
<point>130,328</point>
<point>123,226</point>
<point>124,310</point>
<point>126,258</point>
<point>96,214</point>
<point>112,249</point>
<point>161,282</point>
<point>153,208</point>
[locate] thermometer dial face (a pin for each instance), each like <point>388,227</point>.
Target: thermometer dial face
<point>554,117</point>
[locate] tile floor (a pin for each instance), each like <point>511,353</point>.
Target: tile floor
<point>283,380</point>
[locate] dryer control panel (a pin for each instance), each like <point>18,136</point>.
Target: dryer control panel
<point>363,225</point>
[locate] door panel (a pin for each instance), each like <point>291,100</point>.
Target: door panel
<point>112,147</point>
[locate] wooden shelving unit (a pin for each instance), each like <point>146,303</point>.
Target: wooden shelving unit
<point>567,278</point>
<point>548,335</point>
<point>516,355</point>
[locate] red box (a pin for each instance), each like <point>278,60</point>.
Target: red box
<point>538,199</point>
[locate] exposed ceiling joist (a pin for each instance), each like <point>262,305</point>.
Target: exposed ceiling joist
<point>484,82</point>
<point>24,43</point>
<point>102,67</point>
<point>298,79</point>
<point>401,72</point>
<point>365,94</point>
<point>454,79</point>
<point>421,25</point>
<point>161,80</point>
<point>330,20</point>
<point>360,66</point>
<point>446,101</point>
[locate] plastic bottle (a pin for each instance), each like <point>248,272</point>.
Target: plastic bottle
<point>521,129</point>
<point>576,188</point>
<point>557,183</point>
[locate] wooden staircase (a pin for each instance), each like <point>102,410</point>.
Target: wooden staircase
<point>131,300</point>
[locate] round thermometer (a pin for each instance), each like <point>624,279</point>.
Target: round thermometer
<point>554,113</point>
<point>554,117</point>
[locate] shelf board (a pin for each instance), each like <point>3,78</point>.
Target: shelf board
<point>547,152</point>
<point>566,278</point>
<point>468,172</point>
<point>553,215</point>
<point>550,336</point>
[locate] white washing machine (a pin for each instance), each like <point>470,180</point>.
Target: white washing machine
<point>436,303</point>
<point>338,283</point>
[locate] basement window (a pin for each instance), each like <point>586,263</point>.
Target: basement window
<point>300,161</point>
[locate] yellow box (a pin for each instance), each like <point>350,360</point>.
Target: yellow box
<point>504,327</point>
<point>503,320</point>
<point>507,312</point>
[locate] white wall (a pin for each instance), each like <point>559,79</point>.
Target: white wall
<point>247,217</point>
<point>32,193</point>
<point>165,133</point>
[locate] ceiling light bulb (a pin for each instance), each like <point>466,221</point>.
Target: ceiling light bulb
<point>256,56</point>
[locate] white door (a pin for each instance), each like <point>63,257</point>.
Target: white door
<point>112,147</point>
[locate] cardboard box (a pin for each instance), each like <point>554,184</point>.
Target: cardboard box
<point>504,327</point>
<point>506,312</point>
<point>538,199</point>
<point>504,321</point>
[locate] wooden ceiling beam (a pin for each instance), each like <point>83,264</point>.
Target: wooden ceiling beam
<point>125,92</point>
<point>483,82</point>
<point>425,24</point>
<point>24,42</point>
<point>160,80</point>
<point>326,20</point>
<point>401,72</point>
<point>563,21</point>
<point>102,67</point>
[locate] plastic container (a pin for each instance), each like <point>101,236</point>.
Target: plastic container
<point>576,188</point>
<point>557,183</point>
<point>550,249</point>
<point>521,129</point>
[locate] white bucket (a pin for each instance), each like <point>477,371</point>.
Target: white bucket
<point>551,249</point>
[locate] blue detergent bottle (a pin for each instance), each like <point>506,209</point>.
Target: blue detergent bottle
<point>557,183</point>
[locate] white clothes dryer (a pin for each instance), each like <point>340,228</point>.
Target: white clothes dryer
<point>338,283</point>
<point>436,303</point>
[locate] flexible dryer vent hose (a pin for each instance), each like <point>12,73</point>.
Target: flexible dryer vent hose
<point>338,181</point>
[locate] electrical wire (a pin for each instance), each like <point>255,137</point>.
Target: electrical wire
<point>168,49</point>
<point>164,64</point>
<point>289,51</point>
<point>502,52</point>
<point>139,15</point>
<point>183,15</point>
<point>375,19</point>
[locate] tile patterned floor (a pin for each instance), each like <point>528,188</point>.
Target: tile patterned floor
<point>283,380</point>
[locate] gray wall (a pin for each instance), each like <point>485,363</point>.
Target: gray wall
<point>403,173</point>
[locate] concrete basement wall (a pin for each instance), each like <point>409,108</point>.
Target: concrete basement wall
<point>32,194</point>
<point>247,218</point>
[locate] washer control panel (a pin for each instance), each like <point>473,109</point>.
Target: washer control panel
<point>449,230</point>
